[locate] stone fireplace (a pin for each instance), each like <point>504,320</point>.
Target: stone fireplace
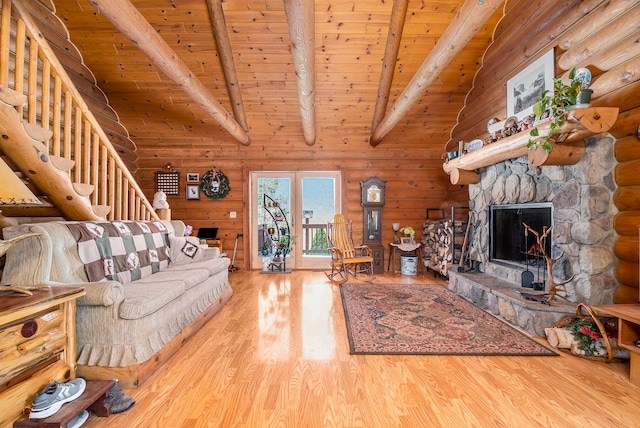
<point>579,199</point>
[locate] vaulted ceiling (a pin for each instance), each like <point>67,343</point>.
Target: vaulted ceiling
<point>340,69</point>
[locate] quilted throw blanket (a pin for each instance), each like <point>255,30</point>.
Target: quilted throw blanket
<point>122,251</point>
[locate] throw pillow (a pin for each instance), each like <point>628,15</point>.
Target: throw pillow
<point>185,250</point>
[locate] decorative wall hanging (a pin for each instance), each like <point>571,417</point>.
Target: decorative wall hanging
<point>193,177</point>
<point>215,184</point>
<point>168,182</point>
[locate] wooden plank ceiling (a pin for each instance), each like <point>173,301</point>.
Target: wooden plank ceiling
<point>348,50</point>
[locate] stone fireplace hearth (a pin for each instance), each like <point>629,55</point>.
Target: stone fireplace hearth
<point>581,196</point>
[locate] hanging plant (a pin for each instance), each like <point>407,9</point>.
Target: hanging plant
<point>557,103</point>
<point>215,184</point>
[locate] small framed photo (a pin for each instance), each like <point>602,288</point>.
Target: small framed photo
<point>193,177</point>
<point>193,191</point>
<point>524,88</point>
<point>406,240</point>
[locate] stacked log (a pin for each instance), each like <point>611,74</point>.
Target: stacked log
<point>440,240</point>
<point>430,240</point>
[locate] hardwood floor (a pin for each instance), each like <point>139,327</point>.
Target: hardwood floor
<point>277,355</point>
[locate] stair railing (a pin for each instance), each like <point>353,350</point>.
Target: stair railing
<point>29,66</point>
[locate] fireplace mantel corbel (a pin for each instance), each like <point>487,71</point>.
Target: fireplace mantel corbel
<point>568,145</point>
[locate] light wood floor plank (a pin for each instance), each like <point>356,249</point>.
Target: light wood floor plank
<point>277,355</point>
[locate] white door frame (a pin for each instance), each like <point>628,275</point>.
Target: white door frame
<point>294,260</point>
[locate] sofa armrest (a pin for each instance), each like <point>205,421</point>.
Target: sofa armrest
<point>103,293</point>
<point>211,253</point>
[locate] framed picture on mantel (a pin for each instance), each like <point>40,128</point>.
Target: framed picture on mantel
<point>524,88</point>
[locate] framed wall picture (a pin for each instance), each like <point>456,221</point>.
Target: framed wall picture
<point>524,88</point>
<point>193,177</point>
<point>193,191</point>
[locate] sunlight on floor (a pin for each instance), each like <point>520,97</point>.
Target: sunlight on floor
<point>317,335</point>
<point>317,329</point>
<point>274,323</point>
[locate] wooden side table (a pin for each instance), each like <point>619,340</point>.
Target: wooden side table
<point>215,243</point>
<point>37,344</point>
<point>397,247</point>
<point>628,332</point>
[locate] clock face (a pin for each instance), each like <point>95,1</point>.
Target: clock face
<point>373,194</point>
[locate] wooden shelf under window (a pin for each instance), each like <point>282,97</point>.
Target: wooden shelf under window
<point>568,146</point>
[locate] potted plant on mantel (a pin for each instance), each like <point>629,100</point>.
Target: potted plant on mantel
<point>558,104</point>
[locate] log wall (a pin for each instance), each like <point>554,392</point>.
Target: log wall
<point>601,35</point>
<point>412,185</point>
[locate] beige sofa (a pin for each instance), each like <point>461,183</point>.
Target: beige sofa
<point>148,301</point>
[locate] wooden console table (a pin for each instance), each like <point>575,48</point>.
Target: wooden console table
<point>628,332</point>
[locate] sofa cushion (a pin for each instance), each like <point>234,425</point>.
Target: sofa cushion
<point>213,266</point>
<point>122,251</point>
<point>184,250</point>
<point>189,277</point>
<point>142,299</point>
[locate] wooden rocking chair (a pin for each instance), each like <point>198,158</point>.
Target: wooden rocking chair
<point>345,257</point>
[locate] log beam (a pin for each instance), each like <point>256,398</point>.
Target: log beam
<point>301,23</point>
<point>130,22</point>
<point>460,176</point>
<point>219,24</point>
<point>460,31</point>
<point>398,15</point>
<point>562,154</point>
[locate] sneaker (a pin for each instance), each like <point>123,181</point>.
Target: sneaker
<point>48,401</point>
<point>118,401</point>
<point>79,420</point>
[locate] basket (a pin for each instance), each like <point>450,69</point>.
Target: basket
<point>605,338</point>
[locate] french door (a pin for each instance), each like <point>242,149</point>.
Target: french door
<point>292,207</point>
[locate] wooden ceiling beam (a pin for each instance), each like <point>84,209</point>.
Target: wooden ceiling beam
<point>301,23</point>
<point>398,15</point>
<point>219,24</point>
<point>130,22</point>
<point>467,22</point>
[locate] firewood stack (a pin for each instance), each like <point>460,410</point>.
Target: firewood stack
<point>439,239</point>
<point>435,238</point>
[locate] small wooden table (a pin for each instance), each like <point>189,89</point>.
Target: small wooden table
<point>628,332</point>
<point>215,243</point>
<point>415,249</point>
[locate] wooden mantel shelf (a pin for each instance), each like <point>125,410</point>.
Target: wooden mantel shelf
<point>568,149</point>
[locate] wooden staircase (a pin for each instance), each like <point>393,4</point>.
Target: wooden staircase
<point>50,137</point>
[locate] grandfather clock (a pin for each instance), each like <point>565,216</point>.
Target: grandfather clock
<point>372,200</point>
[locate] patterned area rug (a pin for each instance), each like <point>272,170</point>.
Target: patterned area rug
<point>426,319</point>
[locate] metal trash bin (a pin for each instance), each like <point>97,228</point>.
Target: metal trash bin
<point>409,264</point>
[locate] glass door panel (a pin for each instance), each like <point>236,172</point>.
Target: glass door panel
<point>318,193</point>
<point>269,236</point>
<point>312,197</point>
